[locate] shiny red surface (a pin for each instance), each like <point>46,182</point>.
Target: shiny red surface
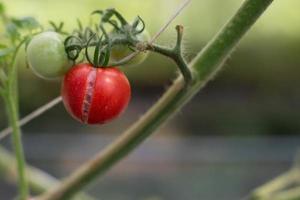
<point>107,98</point>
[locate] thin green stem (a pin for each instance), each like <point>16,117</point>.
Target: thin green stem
<point>18,147</point>
<point>2,92</point>
<point>179,59</point>
<point>205,66</point>
<point>11,102</point>
<point>34,114</point>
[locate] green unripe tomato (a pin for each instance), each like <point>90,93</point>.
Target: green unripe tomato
<point>119,52</point>
<point>46,55</point>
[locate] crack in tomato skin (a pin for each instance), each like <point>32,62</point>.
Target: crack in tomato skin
<point>91,79</point>
<point>95,95</point>
<point>111,95</point>
<point>73,90</point>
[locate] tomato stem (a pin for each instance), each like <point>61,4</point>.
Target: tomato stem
<point>2,93</point>
<point>176,55</point>
<point>18,147</point>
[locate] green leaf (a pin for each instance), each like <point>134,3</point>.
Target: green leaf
<point>12,31</point>
<point>26,23</point>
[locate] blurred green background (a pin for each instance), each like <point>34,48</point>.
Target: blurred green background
<point>255,96</point>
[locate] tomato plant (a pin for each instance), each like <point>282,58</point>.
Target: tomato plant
<point>95,95</point>
<point>98,95</point>
<point>46,55</point>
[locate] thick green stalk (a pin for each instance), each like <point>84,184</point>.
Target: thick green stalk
<point>204,67</point>
<point>220,47</point>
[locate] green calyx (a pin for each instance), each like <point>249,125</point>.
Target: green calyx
<point>96,45</point>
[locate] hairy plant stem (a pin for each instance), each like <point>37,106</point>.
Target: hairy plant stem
<point>204,67</point>
<point>176,55</point>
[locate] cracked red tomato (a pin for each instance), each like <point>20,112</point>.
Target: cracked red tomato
<point>95,95</point>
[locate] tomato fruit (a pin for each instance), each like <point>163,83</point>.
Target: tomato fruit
<point>46,55</point>
<point>119,52</point>
<point>95,95</point>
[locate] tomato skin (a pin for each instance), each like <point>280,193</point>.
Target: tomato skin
<point>95,95</point>
<point>119,52</point>
<point>46,55</point>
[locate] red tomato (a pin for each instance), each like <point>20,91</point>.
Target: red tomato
<point>95,95</point>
